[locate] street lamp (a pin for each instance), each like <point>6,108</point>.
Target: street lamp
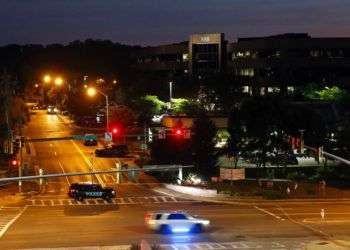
<point>170,93</point>
<point>92,92</point>
<point>58,81</point>
<point>47,78</point>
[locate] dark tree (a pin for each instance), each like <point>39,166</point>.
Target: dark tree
<point>204,132</point>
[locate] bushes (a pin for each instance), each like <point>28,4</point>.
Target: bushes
<point>296,176</point>
<point>274,195</point>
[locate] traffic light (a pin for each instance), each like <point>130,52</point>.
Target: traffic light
<point>115,130</point>
<point>178,131</point>
<point>14,163</point>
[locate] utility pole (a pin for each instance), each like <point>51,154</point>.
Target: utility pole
<point>20,165</point>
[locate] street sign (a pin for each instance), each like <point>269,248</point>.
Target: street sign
<point>108,136</point>
<point>187,133</point>
<point>84,137</point>
<point>232,173</point>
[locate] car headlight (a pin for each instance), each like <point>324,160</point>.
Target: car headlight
<point>151,222</point>
<point>206,222</point>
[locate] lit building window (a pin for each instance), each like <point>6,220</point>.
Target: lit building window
<point>245,89</point>
<point>273,89</point>
<point>185,57</point>
<point>316,53</point>
<point>246,72</point>
<point>290,89</point>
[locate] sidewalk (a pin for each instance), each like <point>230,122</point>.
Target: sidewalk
<point>240,200</point>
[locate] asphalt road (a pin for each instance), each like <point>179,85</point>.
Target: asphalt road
<point>51,220</point>
<point>64,156</point>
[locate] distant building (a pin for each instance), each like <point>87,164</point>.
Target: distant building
<point>207,53</point>
<point>283,62</point>
<point>260,65</point>
<point>164,59</point>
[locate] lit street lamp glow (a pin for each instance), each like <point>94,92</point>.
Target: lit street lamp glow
<point>91,91</point>
<point>58,81</point>
<point>47,78</point>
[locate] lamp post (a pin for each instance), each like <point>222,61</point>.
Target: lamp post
<point>170,93</point>
<point>92,92</point>
<point>301,140</point>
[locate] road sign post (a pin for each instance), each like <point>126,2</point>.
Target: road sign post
<point>108,136</point>
<point>180,176</point>
<point>41,173</point>
<point>117,176</point>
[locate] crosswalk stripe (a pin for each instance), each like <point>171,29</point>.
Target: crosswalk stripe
<point>10,218</point>
<point>119,200</point>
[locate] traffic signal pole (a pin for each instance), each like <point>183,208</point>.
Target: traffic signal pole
<point>20,161</point>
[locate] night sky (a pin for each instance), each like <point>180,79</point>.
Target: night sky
<point>152,22</point>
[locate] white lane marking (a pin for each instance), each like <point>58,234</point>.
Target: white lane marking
<point>315,230</point>
<point>320,221</point>
<point>267,212</point>
<point>61,166</point>
<point>5,228</point>
<point>119,201</point>
<point>88,163</point>
<point>173,198</point>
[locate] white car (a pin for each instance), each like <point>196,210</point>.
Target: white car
<point>175,222</point>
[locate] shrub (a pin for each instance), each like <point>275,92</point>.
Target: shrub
<point>296,176</point>
<point>274,195</point>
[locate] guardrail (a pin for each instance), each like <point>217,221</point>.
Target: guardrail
<point>144,169</point>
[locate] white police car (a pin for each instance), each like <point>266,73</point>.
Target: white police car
<point>175,222</point>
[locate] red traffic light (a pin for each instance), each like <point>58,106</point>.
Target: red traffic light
<point>115,130</point>
<point>14,162</point>
<point>178,132</point>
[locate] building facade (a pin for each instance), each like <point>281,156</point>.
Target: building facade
<point>260,65</point>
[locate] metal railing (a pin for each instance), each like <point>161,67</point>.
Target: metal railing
<point>144,169</point>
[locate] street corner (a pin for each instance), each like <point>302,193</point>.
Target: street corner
<point>327,245</point>
<point>12,199</point>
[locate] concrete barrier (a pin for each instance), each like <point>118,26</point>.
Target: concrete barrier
<point>192,190</point>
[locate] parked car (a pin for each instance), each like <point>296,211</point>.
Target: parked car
<point>113,150</point>
<point>90,140</point>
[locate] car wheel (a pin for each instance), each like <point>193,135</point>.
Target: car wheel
<point>108,199</point>
<point>197,228</point>
<point>164,229</point>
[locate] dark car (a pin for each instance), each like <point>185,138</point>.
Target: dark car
<point>90,140</point>
<point>112,151</point>
<point>35,107</point>
<point>80,191</point>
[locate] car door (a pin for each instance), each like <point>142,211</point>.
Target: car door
<point>179,223</point>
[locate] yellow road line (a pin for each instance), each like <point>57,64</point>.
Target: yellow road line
<point>88,162</point>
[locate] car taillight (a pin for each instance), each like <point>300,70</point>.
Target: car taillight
<point>148,217</point>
